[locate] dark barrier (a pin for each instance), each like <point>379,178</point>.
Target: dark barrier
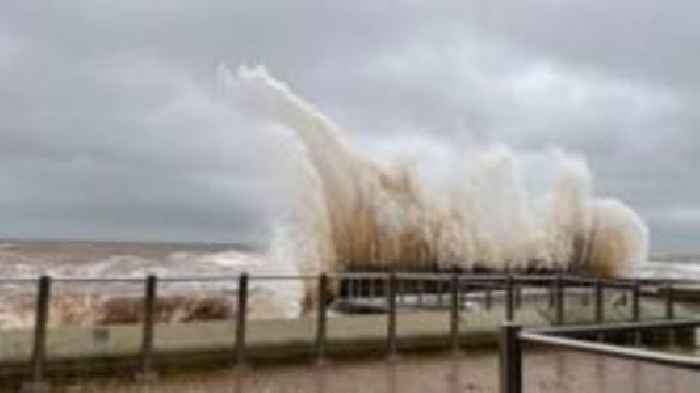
<point>513,338</point>
<point>510,288</point>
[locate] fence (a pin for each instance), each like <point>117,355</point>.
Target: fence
<point>513,337</point>
<point>392,288</point>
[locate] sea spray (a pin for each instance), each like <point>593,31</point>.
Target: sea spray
<point>353,212</point>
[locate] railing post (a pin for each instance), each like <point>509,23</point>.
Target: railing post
<point>559,310</point>
<point>391,318</point>
<point>241,318</point>
<point>586,298</point>
<point>440,285</point>
<point>488,297</point>
<point>635,301</point>
<point>518,296</point>
<point>146,373</point>
<point>454,313</point>
<point>599,293</point>
<point>670,312</point>
<point>420,288</point>
<point>511,359</point>
<point>599,301</point>
<point>509,298</point>
<point>37,383</point>
<point>321,318</point>
<point>636,311</point>
<point>552,293</point>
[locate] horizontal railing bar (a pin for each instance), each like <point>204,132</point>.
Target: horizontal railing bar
<point>282,278</point>
<point>536,277</point>
<point>233,279</point>
<point>657,281</point>
<point>568,280</point>
<point>617,327</point>
<point>5,281</point>
<point>691,362</point>
<point>425,276</point>
<point>98,280</point>
<point>359,275</point>
<point>483,277</point>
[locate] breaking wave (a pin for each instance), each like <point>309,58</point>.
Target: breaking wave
<point>355,212</point>
<point>82,303</point>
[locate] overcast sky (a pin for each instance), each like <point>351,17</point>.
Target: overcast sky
<point>111,126</point>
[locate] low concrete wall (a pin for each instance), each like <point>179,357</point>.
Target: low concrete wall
<point>80,352</point>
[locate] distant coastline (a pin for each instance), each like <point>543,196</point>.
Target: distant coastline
<point>192,245</point>
<point>692,257</point>
<point>675,257</point>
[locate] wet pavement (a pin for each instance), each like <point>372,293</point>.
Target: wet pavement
<point>545,371</point>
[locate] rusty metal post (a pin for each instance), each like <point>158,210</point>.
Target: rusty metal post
<point>552,293</point>
<point>670,311</point>
<point>559,310</point>
<point>321,320</point>
<point>599,293</point>
<point>441,292</point>
<point>599,301</point>
<point>38,365</point>
<point>635,301</point>
<point>509,298</point>
<point>488,297</point>
<point>586,298</point>
<point>636,311</point>
<point>454,313</point>
<point>510,359</point>
<point>391,318</point>
<point>146,373</point>
<point>241,317</point>
<point>420,288</point>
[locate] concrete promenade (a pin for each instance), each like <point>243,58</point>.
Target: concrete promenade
<point>83,350</point>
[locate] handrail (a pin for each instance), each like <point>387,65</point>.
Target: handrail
<point>616,327</point>
<point>460,283</point>
<point>625,282</point>
<point>513,337</point>
<point>621,283</point>
<point>691,362</point>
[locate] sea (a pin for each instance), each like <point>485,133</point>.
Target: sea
<point>192,276</point>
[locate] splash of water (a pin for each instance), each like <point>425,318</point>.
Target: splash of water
<point>358,213</point>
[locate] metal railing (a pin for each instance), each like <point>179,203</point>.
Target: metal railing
<point>513,337</point>
<point>385,285</point>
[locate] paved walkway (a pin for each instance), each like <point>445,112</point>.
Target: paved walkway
<point>474,372</point>
<point>274,335</point>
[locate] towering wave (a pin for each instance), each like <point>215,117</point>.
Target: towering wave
<point>352,212</point>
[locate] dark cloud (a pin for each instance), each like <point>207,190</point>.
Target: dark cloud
<point>112,124</point>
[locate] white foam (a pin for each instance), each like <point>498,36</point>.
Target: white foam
<point>349,209</point>
<point>355,210</point>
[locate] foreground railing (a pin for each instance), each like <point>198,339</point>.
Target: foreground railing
<point>513,338</point>
<point>390,286</point>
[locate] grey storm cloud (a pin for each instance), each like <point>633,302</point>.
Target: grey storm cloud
<point>112,123</point>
